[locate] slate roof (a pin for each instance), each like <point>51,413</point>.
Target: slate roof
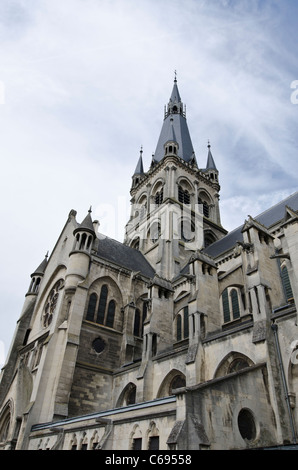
<point>182,137</point>
<point>175,128</point>
<point>41,268</point>
<point>268,218</point>
<point>124,256</point>
<point>139,168</point>
<point>210,161</point>
<point>87,223</point>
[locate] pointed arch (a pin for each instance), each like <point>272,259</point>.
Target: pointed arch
<point>173,380</point>
<point>185,184</point>
<point>127,396</point>
<point>104,302</point>
<point>153,436</point>
<point>91,307</point>
<point>232,362</point>
<point>6,421</point>
<point>111,314</point>
<point>181,324</point>
<point>135,438</point>
<point>157,192</point>
<point>286,283</point>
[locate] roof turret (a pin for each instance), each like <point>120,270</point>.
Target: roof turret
<point>87,224</point>
<point>41,268</point>
<point>140,168</point>
<point>210,161</point>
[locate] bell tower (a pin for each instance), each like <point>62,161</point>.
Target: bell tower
<point>174,205</point>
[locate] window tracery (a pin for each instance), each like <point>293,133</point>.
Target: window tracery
<point>51,303</point>
<point>100,310</point>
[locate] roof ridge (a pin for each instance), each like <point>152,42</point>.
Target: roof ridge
<point>277,204</point>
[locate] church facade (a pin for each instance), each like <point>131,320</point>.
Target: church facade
<point>184,337</point>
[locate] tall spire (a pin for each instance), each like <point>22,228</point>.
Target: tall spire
<point>175,122</point>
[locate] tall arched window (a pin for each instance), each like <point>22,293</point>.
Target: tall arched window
<point>102,305</point>
<point>225,305</point>
<point>137,323</point>
<point>179,328</point>
<point>286,283</point>
<point>4,426</point>
<point>111,314</point>
<point>182,328</point>
<point>139,319</point>
<point>185,323</point>
<point>100,310</point>
<point>230,304</point>
<point>91,307</point>
<point>235,304</point>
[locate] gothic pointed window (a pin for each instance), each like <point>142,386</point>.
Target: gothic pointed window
<point>102,304</point>
<point>91,307</point>
<point>137,323</point>
<point>225,304</point>
<point>111,314</point>
<point>179,328</point>
<point>5,423</point>
<point>185,323</point>
<point>286,284</point>
<point>101,309</point>
<point>182,326</point>
<point>235,304</point>
<point>177,382</point>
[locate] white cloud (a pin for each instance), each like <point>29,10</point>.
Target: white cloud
<point>85,84</point>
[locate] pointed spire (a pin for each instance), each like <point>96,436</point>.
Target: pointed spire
<point>175,96</point>
<point>175,122</point>
<point>41,268</point>
<point>140,168</point>
<point>87,223</point>
<point>210,161</point>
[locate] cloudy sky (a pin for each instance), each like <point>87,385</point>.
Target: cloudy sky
<point>83,84</point>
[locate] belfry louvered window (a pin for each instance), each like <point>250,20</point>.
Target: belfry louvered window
<point>286,284</point>
<point>159,197</point>
<point>183,195</point>
<point>205,207</point>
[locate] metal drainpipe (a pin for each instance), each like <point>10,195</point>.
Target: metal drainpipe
<point>275,328</point>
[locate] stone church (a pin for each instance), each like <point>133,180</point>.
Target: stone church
<point>183,337</point>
